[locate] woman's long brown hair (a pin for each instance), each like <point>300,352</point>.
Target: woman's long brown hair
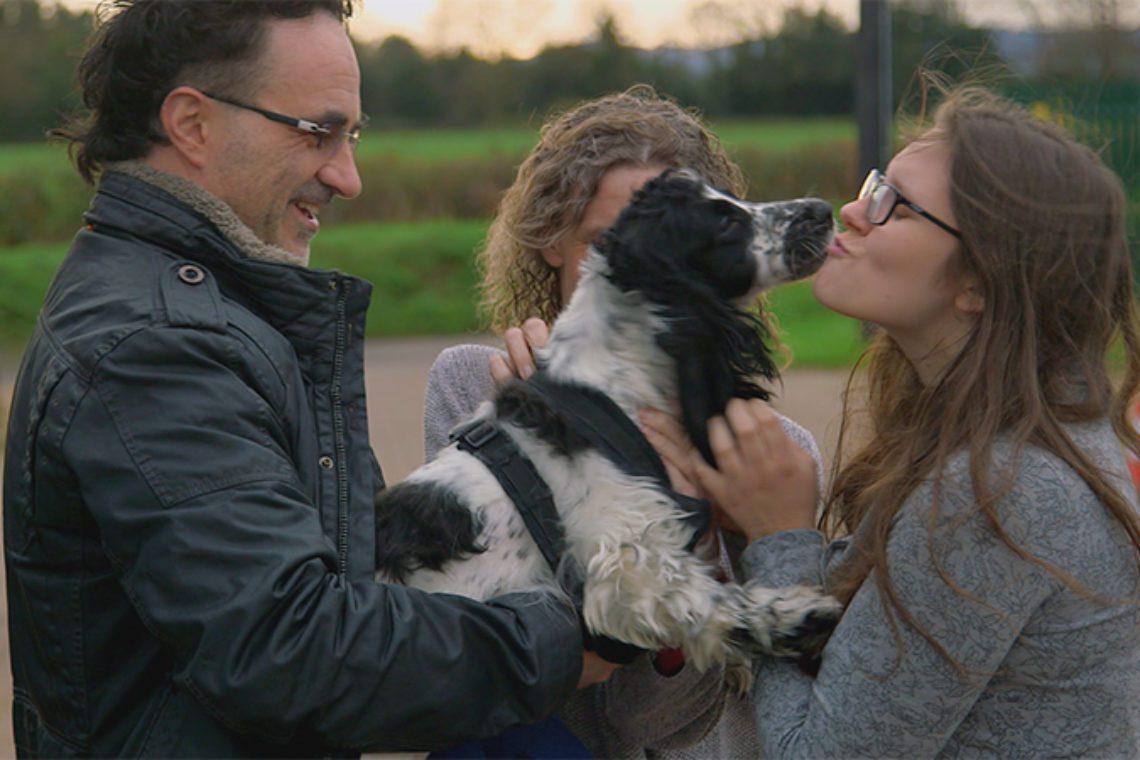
<point>1043,225</point>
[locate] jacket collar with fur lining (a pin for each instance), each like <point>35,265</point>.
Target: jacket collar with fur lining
<point>213,208</point>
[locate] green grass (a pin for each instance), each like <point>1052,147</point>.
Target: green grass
<point>783,134</point>
<point>422,273</point>
<point>447,173</point>
<point>448,144</point>
<point>424,283</point>
<point>25,272</point>
<point>451,144</point>
<point>815,335</point>
<point>37,156</point>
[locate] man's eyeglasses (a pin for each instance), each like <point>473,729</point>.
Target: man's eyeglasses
<point>885,197</point>
<point>329,136</point>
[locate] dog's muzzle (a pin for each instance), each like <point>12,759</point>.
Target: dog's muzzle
<point>811,229</point>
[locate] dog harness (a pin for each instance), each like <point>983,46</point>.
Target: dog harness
<point>487,442</point>
<point>598,419</point>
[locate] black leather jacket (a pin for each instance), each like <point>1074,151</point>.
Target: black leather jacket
<point>188,520</point>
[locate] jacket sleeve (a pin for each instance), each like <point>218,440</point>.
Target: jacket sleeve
<point>182,462</point>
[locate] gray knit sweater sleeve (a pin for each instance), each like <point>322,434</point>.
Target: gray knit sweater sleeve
<point>1047,670</point>
<point>459,380</point>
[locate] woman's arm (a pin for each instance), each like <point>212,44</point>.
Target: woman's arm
<point>884,690</point>
<point>458,381</point>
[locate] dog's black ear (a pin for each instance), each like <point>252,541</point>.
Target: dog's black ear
<point>720,353</point>
<point>651,233</point>
<point>705,391</point>
<point>422,524</point>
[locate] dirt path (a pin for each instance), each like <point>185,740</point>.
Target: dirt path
<point>396,372</point>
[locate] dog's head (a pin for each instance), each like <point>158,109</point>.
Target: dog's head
<point>701,256</point>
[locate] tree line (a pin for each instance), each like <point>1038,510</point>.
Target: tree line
<point>802,66</point>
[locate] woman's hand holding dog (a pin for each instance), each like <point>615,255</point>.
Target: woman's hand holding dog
<point>521,343</point>
<point>763,481</point>
<point>676,451</point>
<point>595,669</point>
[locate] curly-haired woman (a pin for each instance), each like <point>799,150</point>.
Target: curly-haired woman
<point>585,168</point>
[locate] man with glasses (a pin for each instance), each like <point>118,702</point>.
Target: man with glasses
<point>188,521</point>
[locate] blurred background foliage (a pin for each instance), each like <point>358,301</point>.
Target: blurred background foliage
<point>449,129</point>
<point>801,66</point>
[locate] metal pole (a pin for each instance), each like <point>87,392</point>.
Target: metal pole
<point>873,100</point>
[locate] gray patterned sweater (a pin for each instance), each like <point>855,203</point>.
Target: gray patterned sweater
<point>1050,671</point>
<point>638,712</point>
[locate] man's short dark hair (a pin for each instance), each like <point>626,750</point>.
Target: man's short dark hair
<point>148,47</point>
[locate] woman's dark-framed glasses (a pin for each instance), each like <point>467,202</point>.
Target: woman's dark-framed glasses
<point>884,198</point>
<point>328,135</point>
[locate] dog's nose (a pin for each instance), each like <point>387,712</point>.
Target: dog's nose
<point>814,215</point>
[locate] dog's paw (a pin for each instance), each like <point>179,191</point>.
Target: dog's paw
<point>738,676</point>
<point>790,622</point>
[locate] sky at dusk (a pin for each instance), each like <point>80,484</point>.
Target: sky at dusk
<point>522,27</point>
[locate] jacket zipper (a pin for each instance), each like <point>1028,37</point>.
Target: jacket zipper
<point>338,430</point>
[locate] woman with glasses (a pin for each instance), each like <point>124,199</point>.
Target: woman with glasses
<point>984,531</point>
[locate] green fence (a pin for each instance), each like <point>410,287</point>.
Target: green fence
<point>1106,116</point>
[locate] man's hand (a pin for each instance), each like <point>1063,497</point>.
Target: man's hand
<point>521,345</point>
<point>595,669</point>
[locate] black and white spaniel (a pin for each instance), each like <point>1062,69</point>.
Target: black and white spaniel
<point>658,319</point>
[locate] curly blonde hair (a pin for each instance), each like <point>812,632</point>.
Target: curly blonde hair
<point>559,178</point>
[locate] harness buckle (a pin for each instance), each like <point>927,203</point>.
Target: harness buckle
<point>475,434</point>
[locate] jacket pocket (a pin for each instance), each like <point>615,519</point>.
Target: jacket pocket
<point>163,727</point>
<point>32,735</point>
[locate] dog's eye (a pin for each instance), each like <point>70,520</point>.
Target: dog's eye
<point>729,224</point>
